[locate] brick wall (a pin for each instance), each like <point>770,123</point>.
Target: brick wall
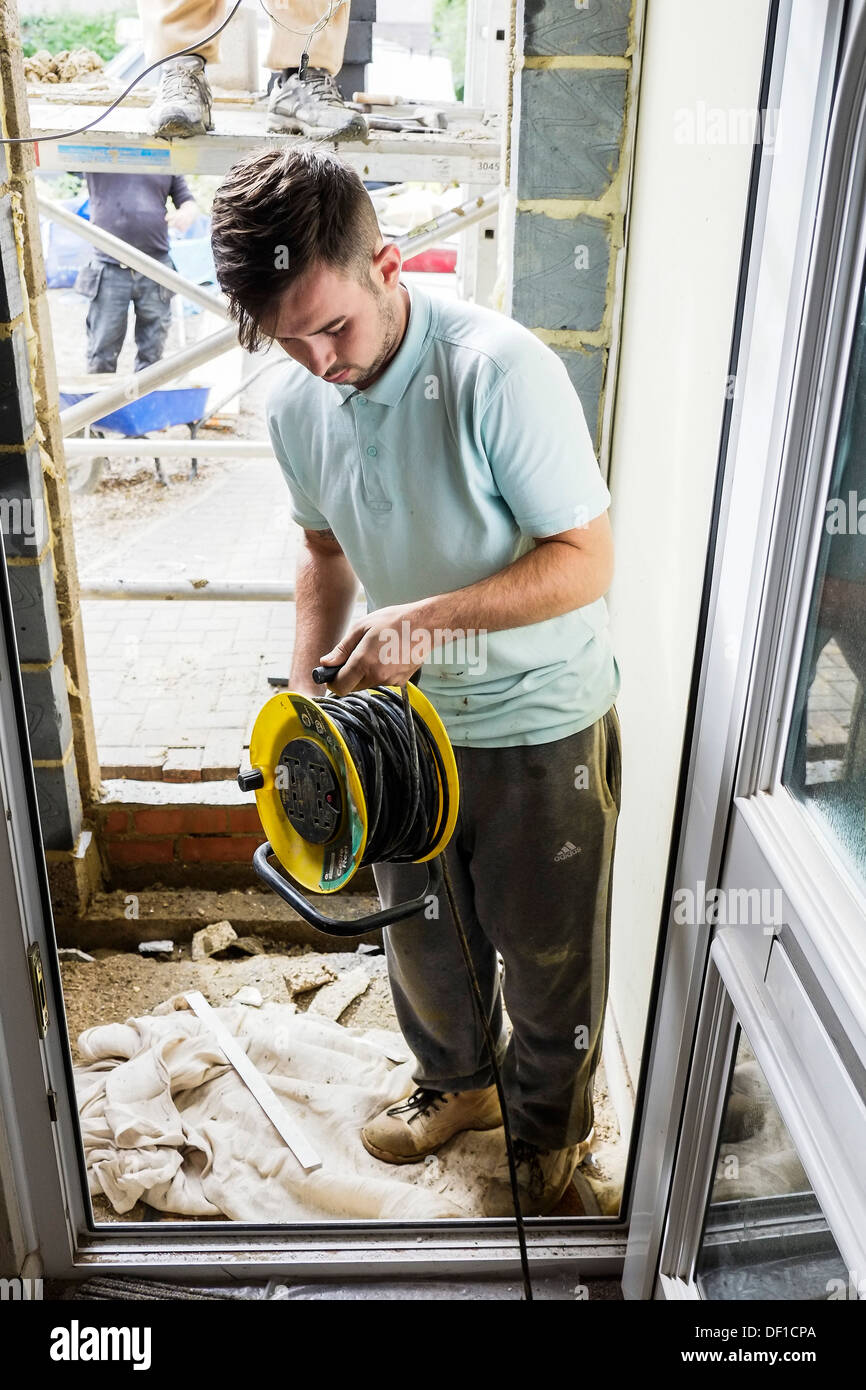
<point>180,846</point>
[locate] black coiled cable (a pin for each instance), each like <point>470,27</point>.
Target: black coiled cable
<point>389,742</point>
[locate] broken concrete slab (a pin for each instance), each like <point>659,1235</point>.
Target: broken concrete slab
<point>248,994</point>
<point>215,937</point>
<point>332,1000</point>
<point>156,948</point>
<point>73,953</point>
<point>308,972</point>
<point>250,945</point>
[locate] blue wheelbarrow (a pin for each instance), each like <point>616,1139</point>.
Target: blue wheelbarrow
<point>179,405</point>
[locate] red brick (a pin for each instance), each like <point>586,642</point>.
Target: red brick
<point>160,820</point>
<point>116,822</point>
<point>244,818</point>
<point>140,851</point>
<point>174,820</point>
<point>182,765</point>
<point>232,849</point>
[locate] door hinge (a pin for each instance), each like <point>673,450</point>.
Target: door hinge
<point>37,982</point>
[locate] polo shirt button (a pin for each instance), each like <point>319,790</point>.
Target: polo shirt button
<point>372,452</point>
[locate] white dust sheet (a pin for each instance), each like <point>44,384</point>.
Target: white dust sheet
<point>166,1118</point>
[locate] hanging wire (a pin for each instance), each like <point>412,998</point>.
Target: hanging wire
<point>333,7</point>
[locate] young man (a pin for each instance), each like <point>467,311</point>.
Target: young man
<point>437,451</point>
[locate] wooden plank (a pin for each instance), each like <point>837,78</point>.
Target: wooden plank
<point>258,1086</point>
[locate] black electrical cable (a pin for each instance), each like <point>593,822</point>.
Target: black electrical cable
<point>384,743</point>
<point>397,761</point>
<point>179,53</point>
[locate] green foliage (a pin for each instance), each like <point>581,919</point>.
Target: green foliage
<point>55,32</point>
<point>449,35</point>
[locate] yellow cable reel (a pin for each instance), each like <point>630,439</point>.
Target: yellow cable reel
<point>311,801</point>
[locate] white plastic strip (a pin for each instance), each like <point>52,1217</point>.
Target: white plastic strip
<point>270,1103</point>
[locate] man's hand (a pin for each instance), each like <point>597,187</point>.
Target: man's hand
<point>385,647</point>
<point>181,219</point>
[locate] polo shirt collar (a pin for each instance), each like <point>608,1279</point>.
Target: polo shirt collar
<point>389,389</point>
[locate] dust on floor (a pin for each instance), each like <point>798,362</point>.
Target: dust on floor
<point>118,985</point>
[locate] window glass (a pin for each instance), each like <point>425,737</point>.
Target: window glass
<point>765,1236</point>
<point>825,764</point>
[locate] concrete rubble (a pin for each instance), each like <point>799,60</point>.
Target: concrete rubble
<point>215,937</point>
<point>333,1000</point>
<point>308,972</point>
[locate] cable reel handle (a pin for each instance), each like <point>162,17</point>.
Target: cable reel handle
<point>323,675</point>
<point>357,926</point>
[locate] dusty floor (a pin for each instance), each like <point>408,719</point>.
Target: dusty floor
<point>121,984</point>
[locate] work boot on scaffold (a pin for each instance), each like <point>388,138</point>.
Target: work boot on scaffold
<point>182,106</point>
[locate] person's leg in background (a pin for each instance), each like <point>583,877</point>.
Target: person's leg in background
<point>152,319</point>
<point>309,103</point>
<point>182,106</point>
<point>109,289</point>
<point>436,1013</point>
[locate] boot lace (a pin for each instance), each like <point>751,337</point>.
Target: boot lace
<point>421,1102</point>
<point>528,1156</point>
<point>322,86</point>
<point>181,82</point>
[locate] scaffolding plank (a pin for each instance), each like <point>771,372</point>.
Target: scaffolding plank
<point>465,153</point>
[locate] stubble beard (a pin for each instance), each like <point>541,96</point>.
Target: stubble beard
<point>389,320</point>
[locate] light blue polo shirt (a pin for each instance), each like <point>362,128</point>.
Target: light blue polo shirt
<point>471,442</point>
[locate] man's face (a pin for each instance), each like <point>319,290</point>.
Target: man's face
<point>338,328</point>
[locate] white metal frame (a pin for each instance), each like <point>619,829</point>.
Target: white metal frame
<point>779,245</point>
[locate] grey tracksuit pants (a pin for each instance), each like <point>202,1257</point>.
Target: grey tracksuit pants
<point>531,862</point>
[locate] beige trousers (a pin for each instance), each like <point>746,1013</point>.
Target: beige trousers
<point>172,24</point>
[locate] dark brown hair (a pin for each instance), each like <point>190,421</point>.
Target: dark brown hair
<point>277,212</point>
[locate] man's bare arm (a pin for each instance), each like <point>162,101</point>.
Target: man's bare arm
<point>561,572</point>
<point>325,591</point>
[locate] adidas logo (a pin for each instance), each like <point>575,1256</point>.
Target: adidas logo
<point>568,851</point>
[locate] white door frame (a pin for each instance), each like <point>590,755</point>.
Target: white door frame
<point>781,271</point>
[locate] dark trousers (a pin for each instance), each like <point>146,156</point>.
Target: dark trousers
<point>111,289</point>
<point>531,862</point>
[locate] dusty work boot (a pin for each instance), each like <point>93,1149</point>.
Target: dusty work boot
<point>543,1176</point>
<point>313,105</point>
<point>182,105</point>
<point>425,1120</point>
